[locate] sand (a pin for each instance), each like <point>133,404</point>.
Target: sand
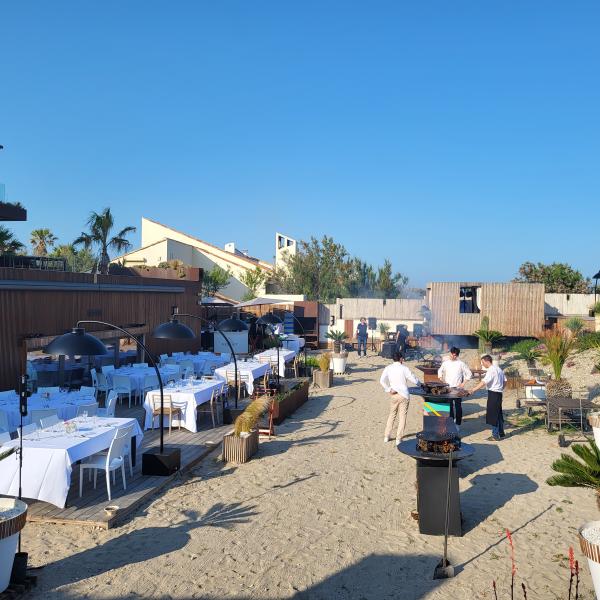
<point>324,511</point>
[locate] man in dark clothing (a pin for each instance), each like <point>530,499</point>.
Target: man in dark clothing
<point>362,336</point>
<point>401,335</point>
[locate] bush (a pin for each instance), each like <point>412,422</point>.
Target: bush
<point>312,361</point>
<point>528,350</point>
<point>575,325</point>
<point>588,341</point>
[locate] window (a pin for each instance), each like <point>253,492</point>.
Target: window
<point>469,299</point>
<point>280,242</point>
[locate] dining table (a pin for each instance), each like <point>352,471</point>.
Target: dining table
<point>137,375</point>
<point>293,342</point>
<point>65,403</point>
<point>49,455</point>
<point>247,369</point>
<point>285,356</point>
<point>186,395</point>
<point>204,362</point>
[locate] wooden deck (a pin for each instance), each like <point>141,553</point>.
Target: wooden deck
<point>89,509</point>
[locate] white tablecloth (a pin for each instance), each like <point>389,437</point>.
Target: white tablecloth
<point>293,342</point>
<point>203,361</point>
<point>47,463</point>
<point>138,374</point>
<point>284,357</point>
<point>250,369</point>
<point>65,404</point>
<point>187,397</point>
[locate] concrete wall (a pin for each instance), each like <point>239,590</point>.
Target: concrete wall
<point>397,309</point>
<point>568,304</point>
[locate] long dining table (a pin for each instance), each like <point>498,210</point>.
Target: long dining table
<point>185,395</point>
<point>285,356</point>
<point>249,370</point>
<point>49,456</point>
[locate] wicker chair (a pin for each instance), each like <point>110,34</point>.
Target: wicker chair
<point>168,410</point>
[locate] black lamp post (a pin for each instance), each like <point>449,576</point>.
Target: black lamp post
<point>155,461</point>
<point>270,320</point>
<point>174,330</point>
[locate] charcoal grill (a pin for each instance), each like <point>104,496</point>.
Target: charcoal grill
<point>439,434</point>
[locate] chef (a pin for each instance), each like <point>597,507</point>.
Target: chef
<point>454,372</point>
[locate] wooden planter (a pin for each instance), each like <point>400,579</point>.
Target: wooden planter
<point>323,380</point>
<point>240,449</point>
<point>290,403</point>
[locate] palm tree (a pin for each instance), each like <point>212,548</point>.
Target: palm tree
<point>41,241</point>
<point>8,243</point>
<point>99,229</point>
<point>579,473</point>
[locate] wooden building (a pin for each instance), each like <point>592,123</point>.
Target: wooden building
<point>515,309</point>
<point>36,306</point>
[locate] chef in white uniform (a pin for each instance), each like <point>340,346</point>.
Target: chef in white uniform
<point>455,373</point>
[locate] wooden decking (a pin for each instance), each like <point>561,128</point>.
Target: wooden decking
<point>89,509</point>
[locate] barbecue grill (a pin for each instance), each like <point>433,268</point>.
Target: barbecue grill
<point>431,449</point>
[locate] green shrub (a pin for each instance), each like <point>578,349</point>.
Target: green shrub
<point>528,350</point>
<point>589,340</point>
<point>312,361</point>
<point>575,325</point>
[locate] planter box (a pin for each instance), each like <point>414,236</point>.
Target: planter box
<point>240,449</point>
<point>290,403</point>
<point>323,380</point>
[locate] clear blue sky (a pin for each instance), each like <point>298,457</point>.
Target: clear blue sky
<point>456,138</point>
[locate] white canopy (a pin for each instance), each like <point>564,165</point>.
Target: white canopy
<point>259,301</point>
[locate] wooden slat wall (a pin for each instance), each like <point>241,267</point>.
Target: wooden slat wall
<point>27,312</point>
<point>515,309</point>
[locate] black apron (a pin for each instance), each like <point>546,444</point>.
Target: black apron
<point>494,407</point>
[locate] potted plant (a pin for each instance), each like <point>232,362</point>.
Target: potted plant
<point>13,515</point>
<point>558,346</point>
<point>337,337</point>
<point>323,378</point>
<point>288,401</point>
<point>583,473</point>
<point>241,444</point>
<point>307,368</point>
<point>487,336</point>
<point>383,331</point>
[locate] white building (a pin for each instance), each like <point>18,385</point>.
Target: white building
<point>161,243</point>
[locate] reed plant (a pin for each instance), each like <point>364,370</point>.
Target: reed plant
<point>324,362</point>
<point>248,420</point>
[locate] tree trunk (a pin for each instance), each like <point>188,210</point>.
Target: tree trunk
<point>104,262</point>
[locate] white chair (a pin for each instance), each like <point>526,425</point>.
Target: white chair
<point>150,383</point>
<point>188,372</point>
<point>140,365</point>
<point>100,381</point>
<point>113,460</point>
<point>49,390</point>
<point>163,357</point>
<point>50,421</point>
<point>4,437</point>
<point>122,385</point>
<point>170,361</point>
<point>27,429</point>
<point>90,409</point>
<point>42,413</point>
<point>108,371</point>
<point>111,403</point>
<point>3,421</point>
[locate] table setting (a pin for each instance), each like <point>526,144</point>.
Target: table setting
<point>285,356</point>
<point>137,375</point>
<point>49,455</point>
<point>250,369</point>
<point>65,403</point>
<point>187,395</point>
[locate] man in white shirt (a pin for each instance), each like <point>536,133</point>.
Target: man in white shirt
<point>455,373</point>
<point>494,381</point>
<point>394,380</point>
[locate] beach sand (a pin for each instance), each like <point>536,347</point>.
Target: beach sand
<point>324,511</point>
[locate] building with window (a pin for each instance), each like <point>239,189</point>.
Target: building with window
<point>161,244</point>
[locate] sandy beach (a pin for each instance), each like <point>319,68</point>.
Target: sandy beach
<point>324,511</point>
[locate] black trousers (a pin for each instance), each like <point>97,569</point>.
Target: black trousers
<point>456,410</point>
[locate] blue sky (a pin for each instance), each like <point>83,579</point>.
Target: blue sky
<point>459,139</point>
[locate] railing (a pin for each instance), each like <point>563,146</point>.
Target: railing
<point>43,263</point>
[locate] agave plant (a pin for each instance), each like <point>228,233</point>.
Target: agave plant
<point>338,337</point>
<point>575,325</point>
<point>579,473</point>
